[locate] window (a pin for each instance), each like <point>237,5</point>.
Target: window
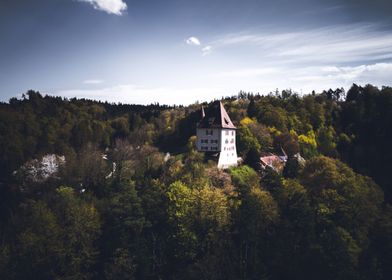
<point>214,141</point>
<point>232,141</point>
<point>227,132</point>
<point>232,132</point>
<point>227,141</point>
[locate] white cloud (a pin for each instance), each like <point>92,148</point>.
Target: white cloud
<point>206,50</point>
<point>263,80</point>
<point>305,79</point>
<point>137,94</point>
<point>316,59</point>
<point>246,73</point>
<point>329,45</point>
<point>93,82</point>
<point>116,7</point>
<point>308,60</point>
<point>193,41</point>
<point>320,78</point>
<point>378,74</point>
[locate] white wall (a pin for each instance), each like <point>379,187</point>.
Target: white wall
<point>221,140</point>
<point>228,154</point>
<point>213,141</point>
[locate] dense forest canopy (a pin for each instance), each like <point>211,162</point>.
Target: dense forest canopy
<point>92,190</point>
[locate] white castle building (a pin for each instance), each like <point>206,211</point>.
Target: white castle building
<point>215,135</point>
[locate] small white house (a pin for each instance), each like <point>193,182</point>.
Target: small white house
<point>215,134</point>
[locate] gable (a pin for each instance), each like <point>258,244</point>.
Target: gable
<point>216,117</point>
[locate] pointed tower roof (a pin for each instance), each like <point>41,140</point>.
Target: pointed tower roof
<point>203,114</point>
<point>216,117</point>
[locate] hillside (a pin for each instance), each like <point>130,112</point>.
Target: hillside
<point>93,190</point>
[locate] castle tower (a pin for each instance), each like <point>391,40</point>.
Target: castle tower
<point>215,134</point>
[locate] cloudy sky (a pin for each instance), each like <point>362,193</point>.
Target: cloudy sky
<point>182,51</point>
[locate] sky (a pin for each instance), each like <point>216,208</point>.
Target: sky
<point>183,51</point>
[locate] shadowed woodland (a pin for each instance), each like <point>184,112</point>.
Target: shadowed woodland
<point>92,190</point>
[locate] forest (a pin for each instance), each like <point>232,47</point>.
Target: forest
<point>94,190</point>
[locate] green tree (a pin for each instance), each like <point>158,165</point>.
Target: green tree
<point>122,266</point>
<point>257,215</point>
<point>346,207</point>
<point>81,226</point>
<point>252,158</point>
<point>180,211</point>
<point>295,234</point>
<point>39,247</point>
<point>124,217</point>
<point>262,135</point>
<point>244,177</point>
<point>246,140</point>
<point>288,142</point>
<point>326,141</point>
<point>308,144</point>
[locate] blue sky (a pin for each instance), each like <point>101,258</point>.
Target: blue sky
<point>182,51</point>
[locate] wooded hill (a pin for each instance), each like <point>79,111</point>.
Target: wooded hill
<point>133,199</point>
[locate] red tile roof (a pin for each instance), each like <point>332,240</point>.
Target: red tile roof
<point>275,162</point>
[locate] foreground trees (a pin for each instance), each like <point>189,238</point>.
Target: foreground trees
<point>346,206</point>
<point>121,208</point>
<point>52,238</point>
